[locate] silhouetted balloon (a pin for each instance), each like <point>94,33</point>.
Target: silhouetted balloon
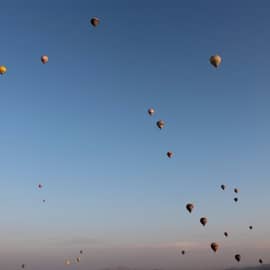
<point>94,21</point>
<point>78,259</point>
<point>44,59</point>
<point>215,60</point>
<point>238,257</point>
<point>236,199</point>
<point>260,261</point>
<point>250,227</point>
<point>44,201</point>
<point>3,70</point>
<point>67,262</point>
<point>40,186</point>
<point>81,252</point>
<point>183,252</point>
<point>23,265</point>
<point>169,154</point>
<point>223,187</point>
<point>236,190</point>
<point>226,234</point>
<point>151,111</point>
<point>203,221</point>
<point>160,124</point>
<point>189,207</point>
<point>214,246</point>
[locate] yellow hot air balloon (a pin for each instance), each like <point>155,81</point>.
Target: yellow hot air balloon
<point>3,70</point>
<point>215,60</point>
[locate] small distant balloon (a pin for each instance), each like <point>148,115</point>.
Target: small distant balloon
<point>215,60</point>
<point>44,201</point>
<point>223,187</point>
<point>81,251</point>
<point>151,111</point>
<point>78,259</point>
<point>236,190</point>
<point>40,185</point>
<point>160,124</point>
<point>203,221</point>
<point>225,234</point>
<point>3,70</point>
<point>250,227</point>
<point>189,207</point>
<point>169,154</point>
<point>44,59</point>
<point>237,257</point>
<point>23,265</point>
<point>67,262</point>
<point>183,252</point>
<point>236,199</point>
<point>95,21</point>
<point>214,246</point>
<point>260,261</point>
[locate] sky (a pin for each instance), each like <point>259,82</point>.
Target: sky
<point>79,125</point>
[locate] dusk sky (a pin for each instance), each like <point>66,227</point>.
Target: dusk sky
<point>79,126</point>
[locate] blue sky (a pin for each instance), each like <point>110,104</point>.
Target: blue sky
<point>79,126</point>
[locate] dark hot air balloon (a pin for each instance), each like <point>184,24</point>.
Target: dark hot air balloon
<point>214,246</point>
<point>225,234</point>
<point>260,261</point>
<point>223,187</point>
<point>215,60</point>
<point>183,252</point>
<point>160,124</point>
<point>250,227</point>
<point>236,190</point>
<point>95,21</point>
<point>189,207</point>
<point>203,221</point>
<point>237,257</point>
<point>236,199</point>
<point>169,154</point>
<point>151,111</point>
<point>44,59</point>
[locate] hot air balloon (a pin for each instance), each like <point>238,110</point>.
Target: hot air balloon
<point>223,187</point>
<point>44,201</point>
<point>151,111</point>
<point>94,21</point>
<point>23,265</point>
<point>236,199</point>
<point>183,252</point>
<point>215,60</point>
<point>225,234</point>
<point>214,246</point>
<point>203,221</point>
<point>67,262</point>
<point>44,59</point>
<point>236,190</point>
<point>250,227</point>
<point>238,257</point>
<point>3,70</point>
<point>78,259</point>
<point>260,261</point>
<point>81,252</point>
<point>189,207</point>
<point>169,154</point>
<point>40,186</point>
<point>160,124</point>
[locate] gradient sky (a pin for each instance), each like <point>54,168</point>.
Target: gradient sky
<point>79,125</point>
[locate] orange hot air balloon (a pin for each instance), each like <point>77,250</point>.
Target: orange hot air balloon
<point>95,21</point>
<point>215,60</point>
<point>151,111</point>
<point>160,124</point>
<point>189,207</point>
<point>203,221</point>
<point>169,154</point>
<point>3,70</point>
<point>44,59</point>
<point>238,257</point>
<point>214,246</point>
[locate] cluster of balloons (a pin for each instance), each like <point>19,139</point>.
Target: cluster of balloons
<point>203,220</point>
<point>77,260</point>
<point>160,124</point>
